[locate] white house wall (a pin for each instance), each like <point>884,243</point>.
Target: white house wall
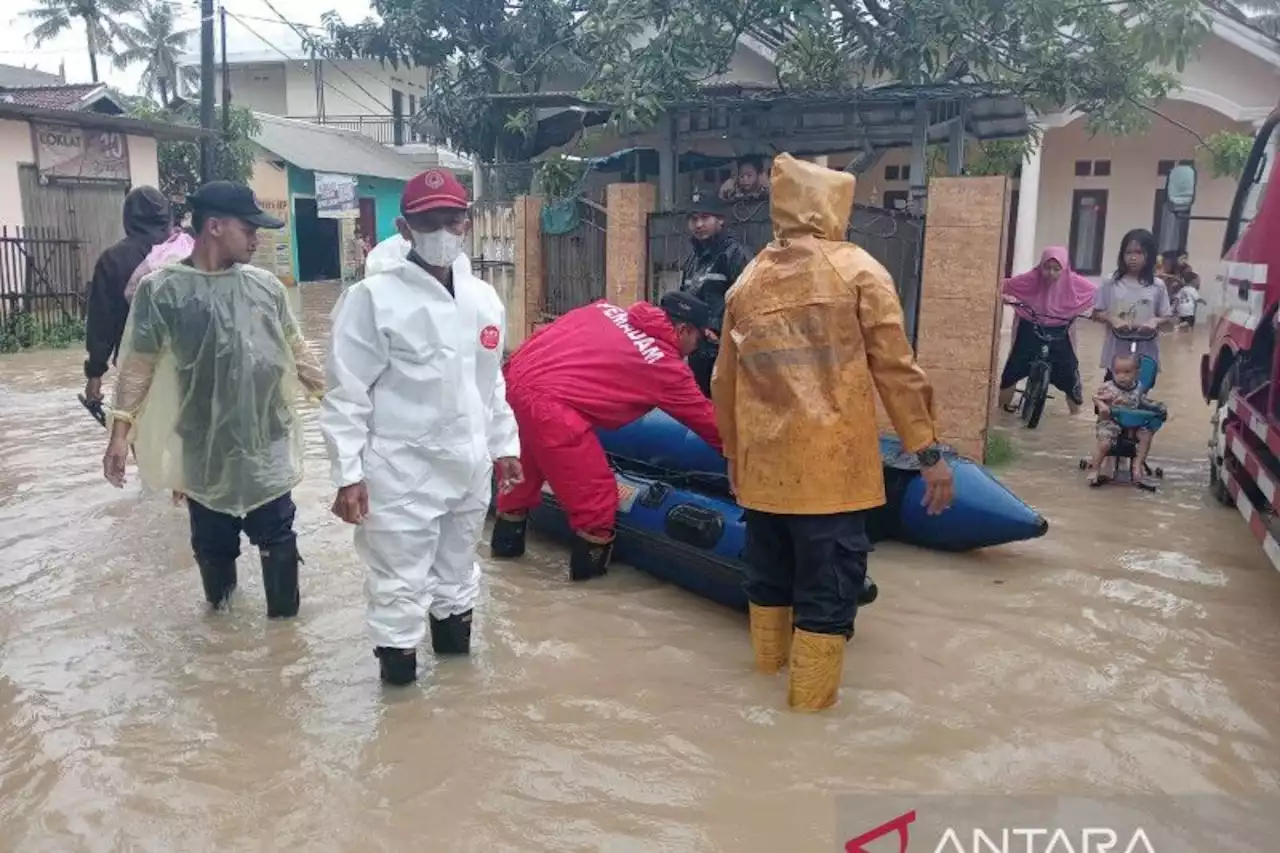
<point>1223,76</point>
<point>364,89</point>
<point>260,88</point>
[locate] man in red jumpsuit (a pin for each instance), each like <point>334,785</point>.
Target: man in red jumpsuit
<point>597,366</point>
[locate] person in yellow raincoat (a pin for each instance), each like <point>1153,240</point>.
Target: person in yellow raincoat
<point>812,329</point>
<point>211,364</point>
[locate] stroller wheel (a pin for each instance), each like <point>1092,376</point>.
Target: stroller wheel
<point>1160,473</point>
<point>1084,464</point>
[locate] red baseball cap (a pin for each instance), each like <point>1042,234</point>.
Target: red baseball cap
<point>432,190</point>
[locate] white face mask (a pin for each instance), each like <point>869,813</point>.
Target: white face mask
<point>439,248</point>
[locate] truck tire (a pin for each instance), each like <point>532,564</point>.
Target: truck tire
<point>1217,439</point>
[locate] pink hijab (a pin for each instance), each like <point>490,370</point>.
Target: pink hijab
<point>1070,296</point>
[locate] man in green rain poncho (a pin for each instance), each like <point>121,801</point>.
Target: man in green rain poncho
<point>211,365</point>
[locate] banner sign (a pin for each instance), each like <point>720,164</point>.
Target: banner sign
<point>76,153</point>
<point>336,196</point>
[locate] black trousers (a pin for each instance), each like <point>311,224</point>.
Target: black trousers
<point>815,564</point>
<point>702,362</point>
<point>216,535</point>
<point>1064,367</point>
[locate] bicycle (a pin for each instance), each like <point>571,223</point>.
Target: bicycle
<point>1035,391</point>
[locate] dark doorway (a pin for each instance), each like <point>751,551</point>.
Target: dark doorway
<point>1171,232</point>
<point>368,221</point>
<point>1013,234</point>
<point>1088,230</point>
<point>319,244</point>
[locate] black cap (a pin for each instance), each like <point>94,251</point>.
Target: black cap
<point>227,198</point>
<point>706,201</point>
<point>683,308</point>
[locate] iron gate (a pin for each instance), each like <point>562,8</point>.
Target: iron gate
<point>574,262</point>
<point>894,238</point>
<point>40,278</point>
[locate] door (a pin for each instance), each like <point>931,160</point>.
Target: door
<point>319,244</point>
<point>1088,230</point>
<point>1171,232</point>
<point>369,221</point>
<point>1013,234</point>
<point>90,213</point>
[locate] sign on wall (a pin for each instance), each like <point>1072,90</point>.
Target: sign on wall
<point>78,154</point>
<point>275,245</point>
<point>336,196</point>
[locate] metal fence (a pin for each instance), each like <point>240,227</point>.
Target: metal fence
<point>382,128</point>
<point>574,262</point>
<point>894,238</point>
<point>40,279</point>
<point>493,247</point>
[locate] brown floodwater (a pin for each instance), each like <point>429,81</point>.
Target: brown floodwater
<point>1135,648</point>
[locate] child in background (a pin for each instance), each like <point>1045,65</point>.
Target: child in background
<point>1121,390</point>
<point>1186,303</point>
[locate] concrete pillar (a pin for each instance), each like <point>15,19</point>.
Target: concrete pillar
<point>529,293</point>
<point>627,242</point>
<point>1024,238</point>
<point>958,333</point>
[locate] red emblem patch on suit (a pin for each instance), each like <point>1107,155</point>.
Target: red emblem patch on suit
<point>489,337</point>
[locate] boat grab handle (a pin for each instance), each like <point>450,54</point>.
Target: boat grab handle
<point>695,525</point>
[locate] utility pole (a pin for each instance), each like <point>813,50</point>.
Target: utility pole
<point>206,90</point>
<point>226,78</point>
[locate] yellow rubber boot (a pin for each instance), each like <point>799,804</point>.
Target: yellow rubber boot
<point>817,663</point>
<point>770,637</point>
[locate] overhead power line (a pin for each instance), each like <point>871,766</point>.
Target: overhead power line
<point>310,40</point>
<point>278,50</point>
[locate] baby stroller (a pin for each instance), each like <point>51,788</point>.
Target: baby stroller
<point>1150,416</point>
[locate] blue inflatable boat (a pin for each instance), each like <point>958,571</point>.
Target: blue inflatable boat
<point>677,522</point>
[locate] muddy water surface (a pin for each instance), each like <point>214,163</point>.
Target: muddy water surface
<point>1135,648</point>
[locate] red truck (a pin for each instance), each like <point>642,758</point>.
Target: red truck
<point>1238,374</point>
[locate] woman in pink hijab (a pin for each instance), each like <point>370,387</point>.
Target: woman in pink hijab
<point>1057,294</point>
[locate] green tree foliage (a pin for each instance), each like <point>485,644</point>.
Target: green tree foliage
<point>99,18</point>
<point>1227,153</point>
<point>179,161</point>
<point>1107,58</point>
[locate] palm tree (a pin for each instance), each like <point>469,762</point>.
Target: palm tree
<point>156,42</point>
<point>54,17</point>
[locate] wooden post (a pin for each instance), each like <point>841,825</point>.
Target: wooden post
<point>959,320</point>
<point>627,243</point>
<point>530,289</point>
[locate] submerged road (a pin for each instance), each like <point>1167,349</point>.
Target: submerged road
<point>1133,649</point>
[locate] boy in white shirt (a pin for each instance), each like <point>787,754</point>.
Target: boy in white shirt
<point>1186,303</point>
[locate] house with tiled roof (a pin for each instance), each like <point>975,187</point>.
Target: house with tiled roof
<point>75,97</point>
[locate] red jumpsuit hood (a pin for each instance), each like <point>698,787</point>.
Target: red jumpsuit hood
<point>653,321</point>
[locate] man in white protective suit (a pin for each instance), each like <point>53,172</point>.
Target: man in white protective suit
<point>416,422</point>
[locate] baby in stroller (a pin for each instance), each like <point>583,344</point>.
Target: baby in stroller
<point>1127,420</point>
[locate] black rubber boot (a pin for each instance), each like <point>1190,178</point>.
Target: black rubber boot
<point>451,636</point>
<point>398,666</point>
<point>870,592</point>
<point>589,559</point>
<point>280,579</point>
<point>507,541</point>
<point>219,579</point>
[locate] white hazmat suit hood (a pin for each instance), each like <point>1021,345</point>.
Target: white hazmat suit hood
<point>417,409</point>
<point>386,255</point>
